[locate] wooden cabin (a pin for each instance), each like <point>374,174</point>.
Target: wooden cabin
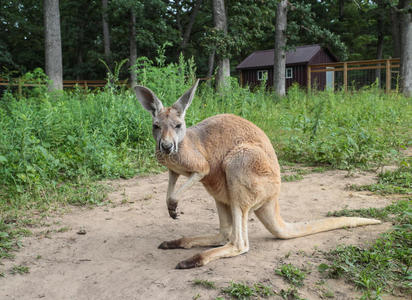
<point>258,67</point>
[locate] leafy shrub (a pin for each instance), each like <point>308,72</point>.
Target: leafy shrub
<point>77,136</point>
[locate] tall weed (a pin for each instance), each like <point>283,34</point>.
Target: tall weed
<point>77,136</point>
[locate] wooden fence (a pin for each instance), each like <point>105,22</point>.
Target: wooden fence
<point>391,66</point>
<point>66,83</point>
<point>19,83</point>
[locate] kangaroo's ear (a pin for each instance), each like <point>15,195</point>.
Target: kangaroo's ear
<point>148,100</point>
<point>184,102</point>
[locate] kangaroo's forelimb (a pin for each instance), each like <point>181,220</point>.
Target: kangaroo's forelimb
<point>173,196</point>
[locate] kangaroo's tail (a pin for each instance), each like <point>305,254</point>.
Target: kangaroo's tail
<point>269,215</point>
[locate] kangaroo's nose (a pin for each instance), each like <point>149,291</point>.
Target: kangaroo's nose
<point>167,147</point>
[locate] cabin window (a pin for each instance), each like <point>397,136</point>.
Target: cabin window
<point>289,73</point>
<point>262,75</point>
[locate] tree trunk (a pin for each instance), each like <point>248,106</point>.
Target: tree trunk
<point>211,64</point>
<point>220,20</point>
<point>106,33</point>
<point>406,48</point>
<point>53,46</point>
<point>189,27</point>
<point>341,9</point>
<point>279,65</point>
<point>79,54</point>
<point>133,49</point>
<point>379,44</point>
<point>396,33</point>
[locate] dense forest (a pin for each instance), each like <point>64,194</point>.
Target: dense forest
<point>109,30</point>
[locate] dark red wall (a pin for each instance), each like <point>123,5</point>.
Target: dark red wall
<point>249,76</point>
<point>319,79</point>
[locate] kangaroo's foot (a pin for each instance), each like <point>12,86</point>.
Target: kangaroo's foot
<point>196,241</point>
<point>174,244</point>
<point>193,262</point>
<point>201,259</point>
<point>238,243</point>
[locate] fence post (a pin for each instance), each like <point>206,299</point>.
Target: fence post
<point>309,79</point>
<point>388,76</point>
<point>19,88</point>
<point>345,76</point>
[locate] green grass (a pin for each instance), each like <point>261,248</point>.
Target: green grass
<point>388,213</point>
<point>290,294</point>
<point>20,269</point>
<point>10,235</point>
<point>243,291</point>
<point>204,283</point>
<point>239,290</point>
<point>292,177</point>
<point>263,290</point>
<point>384,266</point>
<point>392,182</point>
<point>291,274</point>
<point>54,147</point>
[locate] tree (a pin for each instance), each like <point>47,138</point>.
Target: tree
<point>396,30</point>
<point>380,19</point>
<point>406,47</point>
<point>133,48</point>
<point>21,27</point>
<point>106,32</point>
<point>188,31</point>
<point>53,47</point>
<point>220,21</point>
<point>279,49</point>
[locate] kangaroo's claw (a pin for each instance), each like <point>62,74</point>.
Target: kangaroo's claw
<point>172,207</point>
<point>173,213</point>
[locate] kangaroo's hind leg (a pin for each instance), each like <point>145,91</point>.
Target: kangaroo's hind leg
<point>225,220</point>
<point>250,182</point>
<point>236,245</point>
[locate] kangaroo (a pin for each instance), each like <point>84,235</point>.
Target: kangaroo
<point>236,163</point>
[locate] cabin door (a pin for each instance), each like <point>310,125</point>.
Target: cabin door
<point>330,79</point>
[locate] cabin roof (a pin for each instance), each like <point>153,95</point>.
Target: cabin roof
<point>265,58</point>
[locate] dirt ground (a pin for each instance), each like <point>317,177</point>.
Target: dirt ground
<point>118,258</point>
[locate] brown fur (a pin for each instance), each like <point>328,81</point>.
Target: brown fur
<point>237,165</point>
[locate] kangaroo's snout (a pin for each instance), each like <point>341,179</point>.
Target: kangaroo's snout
<point>166,147</point>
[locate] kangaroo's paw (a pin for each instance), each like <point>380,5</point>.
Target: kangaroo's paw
<point>175,244</point>
<point>193,262</point>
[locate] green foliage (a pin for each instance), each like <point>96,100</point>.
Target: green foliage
<point>290,294</point>
<point>20,269</point>
<point>169,81</point>
<point>263,290</point>
<point>9,236</point>
<point>392,182</point>
<point>388,213</point>
<point>243,291</point>
<point>53,147</point>
<point>291,274</point>
<point>344,130</point>
<point>383,266</point>
<point>204,283</point>
<point>302,22</point>
<point>292,177</point>
<point>239,291</point>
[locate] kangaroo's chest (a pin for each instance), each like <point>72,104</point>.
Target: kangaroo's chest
<point>173,162</point>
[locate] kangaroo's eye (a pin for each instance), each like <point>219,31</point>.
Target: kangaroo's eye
<point>178,126</point>
<point>155,126</point>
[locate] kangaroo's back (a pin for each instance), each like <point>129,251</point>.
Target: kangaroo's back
<point>219,136</point>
